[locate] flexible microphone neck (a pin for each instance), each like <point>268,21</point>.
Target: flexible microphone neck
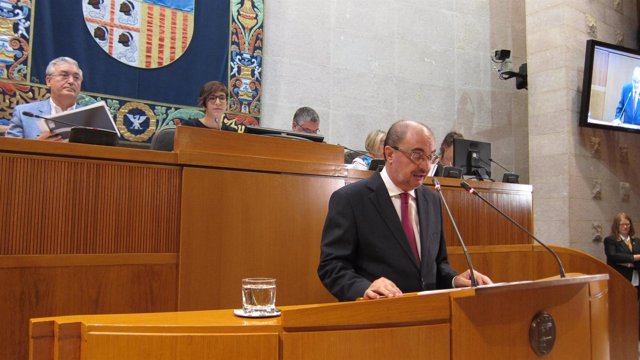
<point>625,103</point>
<point>436,183</point>
<point>30,114</point>
<point>473,191</point>
<point>479,174</point>
<point>355,151</point>
<point>503,168</point>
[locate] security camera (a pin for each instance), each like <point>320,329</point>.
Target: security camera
<point>501,55</point>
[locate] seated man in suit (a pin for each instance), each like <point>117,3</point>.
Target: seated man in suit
<point>383,235</point>
<point>64,78</point>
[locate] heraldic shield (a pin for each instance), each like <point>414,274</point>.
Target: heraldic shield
<point>146,34</point>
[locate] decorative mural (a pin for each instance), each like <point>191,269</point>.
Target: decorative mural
<point>245,61</point>
<point>108,22</point>
<point>15,30</point>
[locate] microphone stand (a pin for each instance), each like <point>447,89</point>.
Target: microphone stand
<point>473,191</point>
<point>625,104</point>
<point>479,174</point>
<point>436,183</point>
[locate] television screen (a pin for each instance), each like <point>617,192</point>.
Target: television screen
<point>610,88</point>
<point>472,157</point>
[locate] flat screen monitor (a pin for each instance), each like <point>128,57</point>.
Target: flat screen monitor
<point>472,157</point>
<point>609,99</point>
<point>259,130</point>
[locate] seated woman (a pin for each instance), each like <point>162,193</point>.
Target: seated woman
<point>622,249</point>
<point>374,145</point>
<point>213,97</point>
<point>445,157</point>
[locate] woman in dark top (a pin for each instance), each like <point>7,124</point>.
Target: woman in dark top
<point>213,97</point>
<point>622,249</point>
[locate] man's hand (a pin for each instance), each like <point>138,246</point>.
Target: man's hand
<point>382,287</point>
<point>48,136</point>
<point>464,279</point>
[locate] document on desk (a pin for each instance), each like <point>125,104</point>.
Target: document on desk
<point>96,115</point>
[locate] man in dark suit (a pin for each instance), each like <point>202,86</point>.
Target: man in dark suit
<point>366,249</point>
<point>627,111</point>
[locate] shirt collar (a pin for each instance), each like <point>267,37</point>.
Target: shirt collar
<point>391,187</point>
<point>55,109</point>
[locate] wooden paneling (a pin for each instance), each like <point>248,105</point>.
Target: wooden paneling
<point>65,289</point>
<point>238,224</point>
<point>70,206</point>
<point>407,343</point>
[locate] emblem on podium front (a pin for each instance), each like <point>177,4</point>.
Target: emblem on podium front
<point>542,333</point>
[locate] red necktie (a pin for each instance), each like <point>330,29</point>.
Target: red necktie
<point>407,224</point>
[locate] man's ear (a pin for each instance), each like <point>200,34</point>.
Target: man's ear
<point>388,153</point>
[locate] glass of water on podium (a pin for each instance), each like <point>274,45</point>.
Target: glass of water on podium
<point>259,297</point>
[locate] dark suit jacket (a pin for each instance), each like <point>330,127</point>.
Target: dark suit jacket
<point>631,113</point>
<point>363,240</point>
<point>618,255</point>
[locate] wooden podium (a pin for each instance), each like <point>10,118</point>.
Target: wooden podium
<point>484,323</point>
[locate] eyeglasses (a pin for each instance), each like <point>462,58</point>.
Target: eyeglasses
<point>66,76</point>
<point>417,157</point>
<point>307,130</point>
<point>624,224</point>
<point>220,98</point>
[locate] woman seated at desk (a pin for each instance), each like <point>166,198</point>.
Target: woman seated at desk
<point>213,97</point>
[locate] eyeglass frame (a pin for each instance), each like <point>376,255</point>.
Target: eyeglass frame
<point>220,98</point>
<point>65,76</point>
<point>420,154</point>
<point>306,130</point>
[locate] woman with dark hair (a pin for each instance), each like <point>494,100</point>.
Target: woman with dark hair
<point>213,98</point>
<point>622,249</point>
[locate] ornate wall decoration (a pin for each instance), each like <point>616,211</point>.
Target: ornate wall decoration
<point>596,189</point>
<point>625,191</point>
<point>594,142</point>
<point>591,26</point>
<point>245,61</point>
<point>596,231</point>
<point>623,153</point>
<point>15,30</point>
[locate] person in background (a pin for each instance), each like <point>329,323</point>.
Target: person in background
<point>446,153</point>
<point>383,235</point>
<point>306,120</point>
<point>627,109</point>
<point>623,249</point>
<point>64,79</point>
<point>374,143</point>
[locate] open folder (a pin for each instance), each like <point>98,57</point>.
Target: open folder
<point>96,115</point>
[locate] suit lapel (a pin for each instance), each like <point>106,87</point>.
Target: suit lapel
<point>422,204</point>
<point>382,203</point>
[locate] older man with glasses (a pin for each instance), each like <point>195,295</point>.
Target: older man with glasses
<point>383,235</point>
<point>64,79</point>
<point>306,120</point>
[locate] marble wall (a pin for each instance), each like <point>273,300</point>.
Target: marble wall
<point>365,64</point>
<point>581,177</point>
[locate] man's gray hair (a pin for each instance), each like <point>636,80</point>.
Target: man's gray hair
<point>63,59</point>
<point>305,114</point>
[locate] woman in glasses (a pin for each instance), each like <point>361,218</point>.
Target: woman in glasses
<point>622,249</point>
<point>213,98</point>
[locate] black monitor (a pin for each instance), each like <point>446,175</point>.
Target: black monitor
<point>472,157</point>
<point>259,130</point>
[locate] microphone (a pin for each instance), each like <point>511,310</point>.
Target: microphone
<point>436,183</point>
<point>480,174</point>
<point>30,114</point>
<point>509,176</point>
<point>473,191</point>
<point>625,104</point>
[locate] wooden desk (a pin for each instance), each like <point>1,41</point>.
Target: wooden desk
<point>482,323</point>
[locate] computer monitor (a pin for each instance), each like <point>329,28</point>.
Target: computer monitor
<point>259,130</point>
<point>472,157</point>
